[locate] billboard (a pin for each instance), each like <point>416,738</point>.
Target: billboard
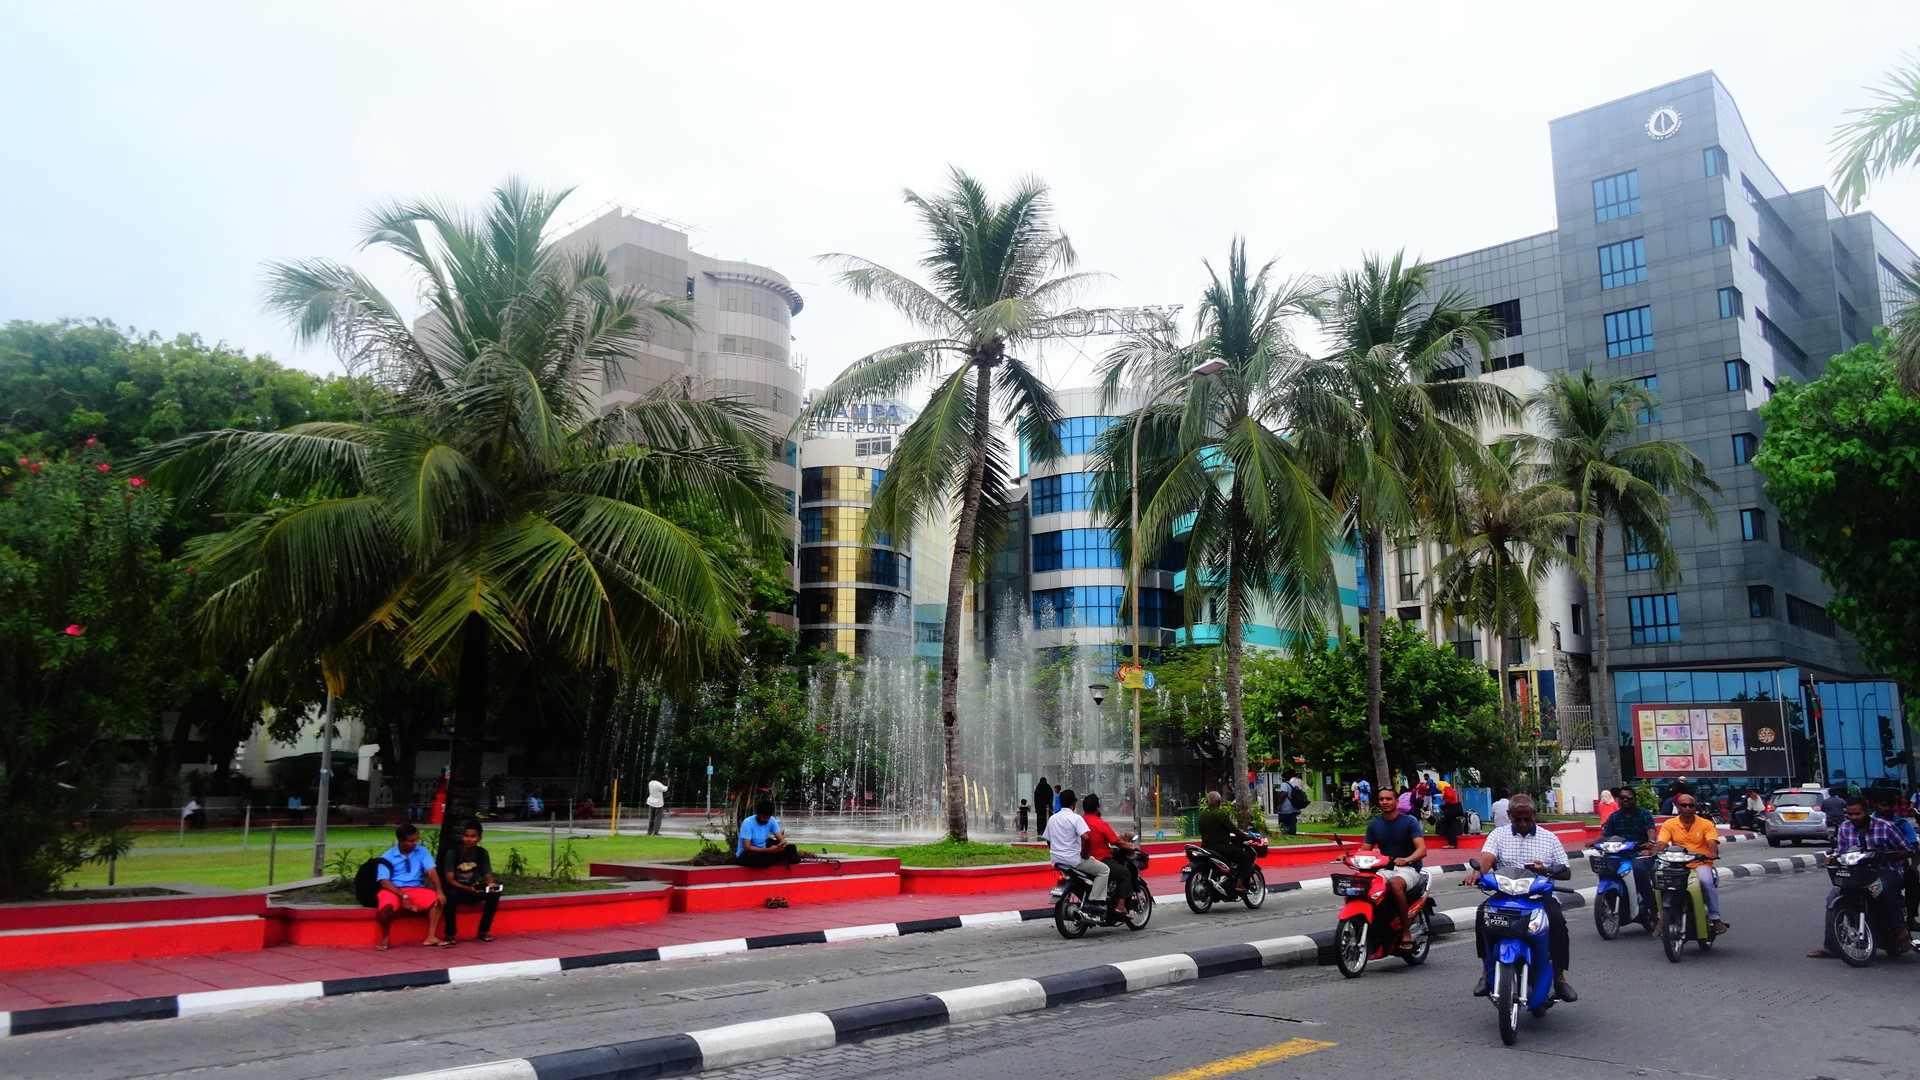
<point>1731,738</point>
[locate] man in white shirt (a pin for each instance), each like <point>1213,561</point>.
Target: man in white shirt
<point>1523,848</point>
<point>656,804</point>
<point>1069,849</point>
<point>1501,806</point>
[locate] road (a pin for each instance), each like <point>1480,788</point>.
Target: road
<point>1789,1017</point>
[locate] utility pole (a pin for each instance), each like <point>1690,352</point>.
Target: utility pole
<point>326,784</point>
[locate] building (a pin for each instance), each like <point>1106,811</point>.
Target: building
<point>1682,261</point>
<point>856,591</point>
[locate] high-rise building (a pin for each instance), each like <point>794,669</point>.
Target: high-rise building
<point>856,587</point>
<point>1683,262</point>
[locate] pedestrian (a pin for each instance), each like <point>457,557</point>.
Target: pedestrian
<point>190,813</point>
<point>1042,804</point>
<point>1453,816</point>
<point>1021,817</point>
<point>656,803</point>
<point>466,871</point>
<point>1292,799</point>
<point>1501,802</point>
<point>1604,806</point>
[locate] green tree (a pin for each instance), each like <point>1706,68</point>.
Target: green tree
<point>1586,425</point>
<point>493,505</point>
<point>1390,433</point>
<point>1881,138</point>
<point>82,586</point>
<point>1505,535</point>
<point>1259,528</point>
<point>1841,459</point>
<point>996,273</point>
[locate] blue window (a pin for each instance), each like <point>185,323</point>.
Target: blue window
<point>1732,305</point>
<point>1753,524</point>
<point>1616,196</point>
<point>1745,445</point>
<point>1097,605</point>
<point>1721,229</point>
<point>1714,160</point>
<point>1077,433</point>
<point>1638,556</point>
<point>1655,619</point>
<point>1739,376</point>
<point>1629,331</point>
<point>1074,549</point>
<point>1651,383</point>
<point>1057,494</point>
<point>1623,263</point>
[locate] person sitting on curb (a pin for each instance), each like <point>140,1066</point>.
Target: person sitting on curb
<point>409,882</point>
<point>467,873</point>
<point>762,843</point>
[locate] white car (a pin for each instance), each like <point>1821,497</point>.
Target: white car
<point>1794,814</point>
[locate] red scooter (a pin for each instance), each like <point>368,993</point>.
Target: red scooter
<point>1356,939</point>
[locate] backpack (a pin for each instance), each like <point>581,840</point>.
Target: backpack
<point>366,883</point>
<point>1297,800</point>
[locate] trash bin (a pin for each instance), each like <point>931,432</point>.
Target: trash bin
<point>1189,821</point>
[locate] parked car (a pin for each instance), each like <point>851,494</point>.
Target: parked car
<point>1794,814</point>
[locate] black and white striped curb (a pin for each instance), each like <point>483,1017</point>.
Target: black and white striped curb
<point>60,1017</point>
<point>740,1044</point>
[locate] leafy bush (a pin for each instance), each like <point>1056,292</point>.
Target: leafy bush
<point>566,864</point>
<point>344,864</point>
<point>516,864</point>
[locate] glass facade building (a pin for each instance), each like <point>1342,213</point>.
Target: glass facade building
<point>855,589</point>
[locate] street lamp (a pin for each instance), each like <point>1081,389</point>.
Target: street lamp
<point>1099,693</point>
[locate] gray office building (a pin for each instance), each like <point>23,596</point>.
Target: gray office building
<point>1681,260</point>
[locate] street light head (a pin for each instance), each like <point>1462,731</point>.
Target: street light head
<point>1099,692</point>
<point>1208,367</point>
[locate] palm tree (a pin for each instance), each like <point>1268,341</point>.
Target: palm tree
<point>1586,441</point>
<point>1261,528</point>
<point>494,506</point>
<point>996,277</point>
<point>1390,435</point>
<point>1879,139</point>
<point>1506,535</point>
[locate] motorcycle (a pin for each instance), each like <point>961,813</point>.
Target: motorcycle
<point>1851,923</point>
<point>1683,907</point>
<point>1617,901</point>
<point>1354,941</point>
<point>1516,926</point>
<point>1208,878</point>
<point>1074,912</point>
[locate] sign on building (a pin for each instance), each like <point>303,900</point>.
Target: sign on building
<point>1733,738</point>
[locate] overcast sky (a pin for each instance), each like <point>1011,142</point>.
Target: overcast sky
<point>157,154</point>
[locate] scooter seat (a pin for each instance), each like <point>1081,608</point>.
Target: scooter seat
<point>1419,887</point>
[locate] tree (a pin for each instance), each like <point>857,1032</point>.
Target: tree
<point>1390,431</point>
<point>493,505</point>
<point>1505,535</point>
<point>82,587</point>
<point>1260,528</point>
<point>1880,138</point>
<point>1586,427</point>
<point>1841,459</point>
<point>996,278</point>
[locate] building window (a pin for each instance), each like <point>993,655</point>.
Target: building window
<point>1629,331</point>
<point>1058,494</point>
<point>1075,549</point>
<point>1731,304</point>
<point>1616,196</point>
<point>1097,605</point>
<point>1448,374</point>
<point>1507,314</point>
<point>1767,388</point>
<point>1655,618</point>
<point>1623,263</point>
<point>1850,321</point>
<point>1722,230</point>
<point>1745,445</point>
<point>1410,617</point>
<point>1639,556</point>
<point>1579,619</point>
<point>1808,616</point>
<point>1739,376</point>
<point>873,447</point>
<point>1790,543</point>
<point>1407,563</point>
<point>1651,384</point>
<point>1782,344</point>
<point>1760,601</point>
<point>1465,640</point>
<point>1777,278</point>
<point>1714,160</point>
<point>1077,433</point>
<point>1511,360</point>
<point>1753,524</point>
<point>689,288</point>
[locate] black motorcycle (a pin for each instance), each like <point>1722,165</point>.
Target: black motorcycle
<point>1851,921</point>
<point>1208,878</point>
<point>1074,912</point>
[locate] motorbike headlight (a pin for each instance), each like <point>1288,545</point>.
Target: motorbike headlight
<point>1853,858</point>
<point>1537,922</point>
<point>1515,886</point>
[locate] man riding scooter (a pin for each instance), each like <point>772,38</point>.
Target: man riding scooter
<point>1696,834</point>
<point>1220,835</point>
<point>1522,847</point>
<point>1397,836</point>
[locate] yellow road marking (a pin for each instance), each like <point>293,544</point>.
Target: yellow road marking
<point>1252,1059</point>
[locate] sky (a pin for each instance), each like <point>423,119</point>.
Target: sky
<point>157,155</point>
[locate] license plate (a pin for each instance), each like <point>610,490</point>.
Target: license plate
<point>1498,920</point>
<point>1793,817</point>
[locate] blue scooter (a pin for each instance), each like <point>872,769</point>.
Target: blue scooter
<point>1616,900</point>
<point>1519,965</point>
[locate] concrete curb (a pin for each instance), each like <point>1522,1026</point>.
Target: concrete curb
<point>697,1051</point>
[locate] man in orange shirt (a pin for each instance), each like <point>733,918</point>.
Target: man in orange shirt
<point>1696,834</point>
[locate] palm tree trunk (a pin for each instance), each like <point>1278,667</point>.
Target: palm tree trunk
<point>1606,733</point>
<point>1373,545</point>
<point>1236,693</point>
<point>963,533</point>
<point>469,730</point>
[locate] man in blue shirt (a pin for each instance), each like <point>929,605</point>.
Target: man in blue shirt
<point>1397,836</point>
<point>762,843</point>
<point>1630,822</point>
<point>409,882</point>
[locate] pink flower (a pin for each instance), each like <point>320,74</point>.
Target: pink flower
<point>91,439</point>
<point>75,630</point>
<point>23,461</point>
<point>136,482</point>
<point>35,467</point>
<point>103,466</point>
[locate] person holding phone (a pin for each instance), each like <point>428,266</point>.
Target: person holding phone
<point>467,871</point>
<point>762,842</point>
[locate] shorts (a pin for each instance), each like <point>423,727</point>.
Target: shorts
<point>1405,873</point>
<point>422,897</point>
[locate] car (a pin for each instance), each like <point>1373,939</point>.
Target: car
<point>1794,814</point>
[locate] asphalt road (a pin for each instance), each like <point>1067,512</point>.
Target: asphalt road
<point>1792,1017</point>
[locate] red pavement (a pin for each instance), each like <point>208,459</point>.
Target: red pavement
<point>82,984</point>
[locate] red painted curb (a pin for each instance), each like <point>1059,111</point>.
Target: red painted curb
<point>354,927</point>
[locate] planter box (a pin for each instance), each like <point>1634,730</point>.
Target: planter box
<point>354,927</point>
<point>39,914</point>
<point>967,880</point>
<point>735,888</point>
<point>62,945</point>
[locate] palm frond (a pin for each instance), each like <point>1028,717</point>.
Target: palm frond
<point>1881,137</point>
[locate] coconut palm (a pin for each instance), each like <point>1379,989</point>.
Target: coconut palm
<point>1391,436</point>
<point>1880,138</point>
<point>494,506</point>
<point>1260,527</point>
<point>996,278</point>
<point>1505,535</point>
<point>1586,441</point>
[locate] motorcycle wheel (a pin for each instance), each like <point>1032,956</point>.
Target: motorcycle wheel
<point>1140,908</point>
<point>1606,916</point>
<point>1066,917</point>
<point>1679,916</point>
<point>1849,927</point>
<point>1256,893</point>
<point>1199,898</point>
<point>1422,941</point>
<point>1509,999</point>
<point>1351,947</point>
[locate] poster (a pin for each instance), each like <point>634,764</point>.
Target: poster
<point>1697,720</point>
<point>1717,739</point>
<point>1735,739</point>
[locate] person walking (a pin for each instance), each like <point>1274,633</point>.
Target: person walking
<point>1453,815</point>
<point>1042,804</point>
<point>656,803</point>
<point>1287,804</point>
<point>1021,817</point>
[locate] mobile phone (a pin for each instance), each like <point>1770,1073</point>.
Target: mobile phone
<point>494,888</point>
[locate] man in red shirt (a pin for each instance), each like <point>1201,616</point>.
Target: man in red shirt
<point>1106,845</point>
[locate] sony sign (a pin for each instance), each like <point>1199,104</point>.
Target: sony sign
<point>1106,321</point>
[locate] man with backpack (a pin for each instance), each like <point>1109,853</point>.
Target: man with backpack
<point>408,881</point>
<point>1292,799</point>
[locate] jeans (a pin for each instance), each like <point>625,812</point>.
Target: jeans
<point>1709,890</point>
<point>458,898</point>
<point>1643,881</point>
<point>1289,823</point>
<point>784,855</point>
<point>1557,941</point>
